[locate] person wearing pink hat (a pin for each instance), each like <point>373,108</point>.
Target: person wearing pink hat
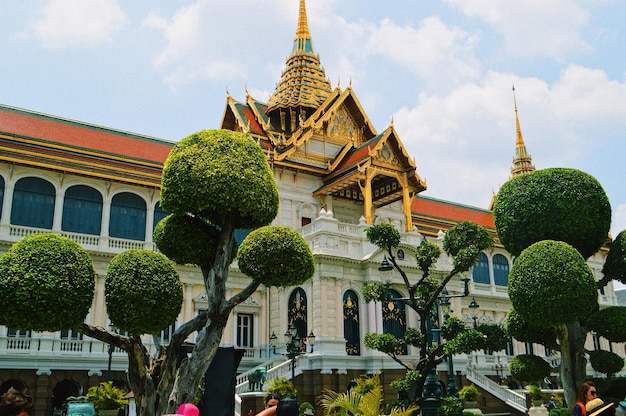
<point>188,409</point>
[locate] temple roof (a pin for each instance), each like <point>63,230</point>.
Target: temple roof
<point>303,83</point>
<point>31,138</point>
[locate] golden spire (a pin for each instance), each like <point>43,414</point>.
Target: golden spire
<point>522,161</point>
<point>303,86</point>
<point>302,43</point>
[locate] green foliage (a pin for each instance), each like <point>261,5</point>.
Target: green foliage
<point>47,283</point>
<point>413,337</point>
<point>469,393</point>
<point>143,291</point>
<point>496,338</point>
<point>606,362</point>
<point>452,327</point>
<point>560,411</point>
<point>105,396</point>
<point>547,279</point>
<point>552,204</point>
<point>405,384</point>
<point>535,392</point>
<point>384,236</point>
<point>464,242</point>
<point>426,255</point>
<point>450,406</point>
<point>276,256</point>
<point>281,386</point>
<point>615,263</point>
<point>609,323</point>
<point>186,239</point>
<point>375,292</point>
<point>359,402</point>
<point>386,343</point>
<point>518,328</point>
<point>218,173</point>
<point>304,406</point>
<point>528,367</point>
<point>465,343</point>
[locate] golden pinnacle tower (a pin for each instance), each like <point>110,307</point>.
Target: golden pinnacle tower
<point>303,86</point>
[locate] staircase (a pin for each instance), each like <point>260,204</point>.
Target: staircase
<point>513,399</point>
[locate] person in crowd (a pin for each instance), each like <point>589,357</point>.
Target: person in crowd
<point>551,404</point>
<point>596,407</point>
<point>288,407</point>
<point>16,402</point>
<point>271,401</point>
<point>188,409</point>
<point>586,393</point>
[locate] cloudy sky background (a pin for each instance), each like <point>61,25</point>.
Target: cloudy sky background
<point>442,70</point>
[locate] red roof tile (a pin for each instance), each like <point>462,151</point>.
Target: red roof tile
<point>36,125</point>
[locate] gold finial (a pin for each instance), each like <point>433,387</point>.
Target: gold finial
<point>522,161</point>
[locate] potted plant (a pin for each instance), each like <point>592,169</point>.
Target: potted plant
<point>107,398</point>
<point>470,396</point>
<point>536,395</point>
<point>281,386</point>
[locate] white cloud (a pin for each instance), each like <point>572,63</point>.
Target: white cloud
<point>464,141</point>
<point>533,27</point>
<point>75,22</point>
<point>443,55</point>
<point>200,39</point>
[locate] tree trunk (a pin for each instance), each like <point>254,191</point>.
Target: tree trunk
<point>192,370</point>
<point>573,363</point>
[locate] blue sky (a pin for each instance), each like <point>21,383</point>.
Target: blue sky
<point>442,70</point>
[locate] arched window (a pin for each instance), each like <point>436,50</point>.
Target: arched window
<point>351,331</point>
<point>1,194</point>
<point>500,270</point>
<point>394,319</point>
<point>297,312</point>
<point>480,273</point>
<point>159,214</point>
<point>33,203</point>
<point>82,210</point>
<point>128,217</point>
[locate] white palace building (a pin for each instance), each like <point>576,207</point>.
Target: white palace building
<point>336,176</point>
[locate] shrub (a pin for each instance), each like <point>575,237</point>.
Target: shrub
<point>469,393</point>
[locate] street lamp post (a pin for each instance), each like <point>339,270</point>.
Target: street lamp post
<point>473,306</point>
<point>294,346</point>
<point>444,302</point>
<point>110,351</point>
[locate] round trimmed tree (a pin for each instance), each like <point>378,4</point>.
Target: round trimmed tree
<point>552,204</point>
<point>276,256</point>
<point>547,279</point>
<point>47,282</point>
<point>143,292</point>
<point>220,175</point>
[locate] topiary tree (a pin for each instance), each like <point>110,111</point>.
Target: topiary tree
<point>529,368</point>
<point>463,243</point>
<point>606,362</point>
<point>554,219</point>
<point>552,204</point>
<point>50,281</point>
<point>218,181</point>
<point>214,182</point>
